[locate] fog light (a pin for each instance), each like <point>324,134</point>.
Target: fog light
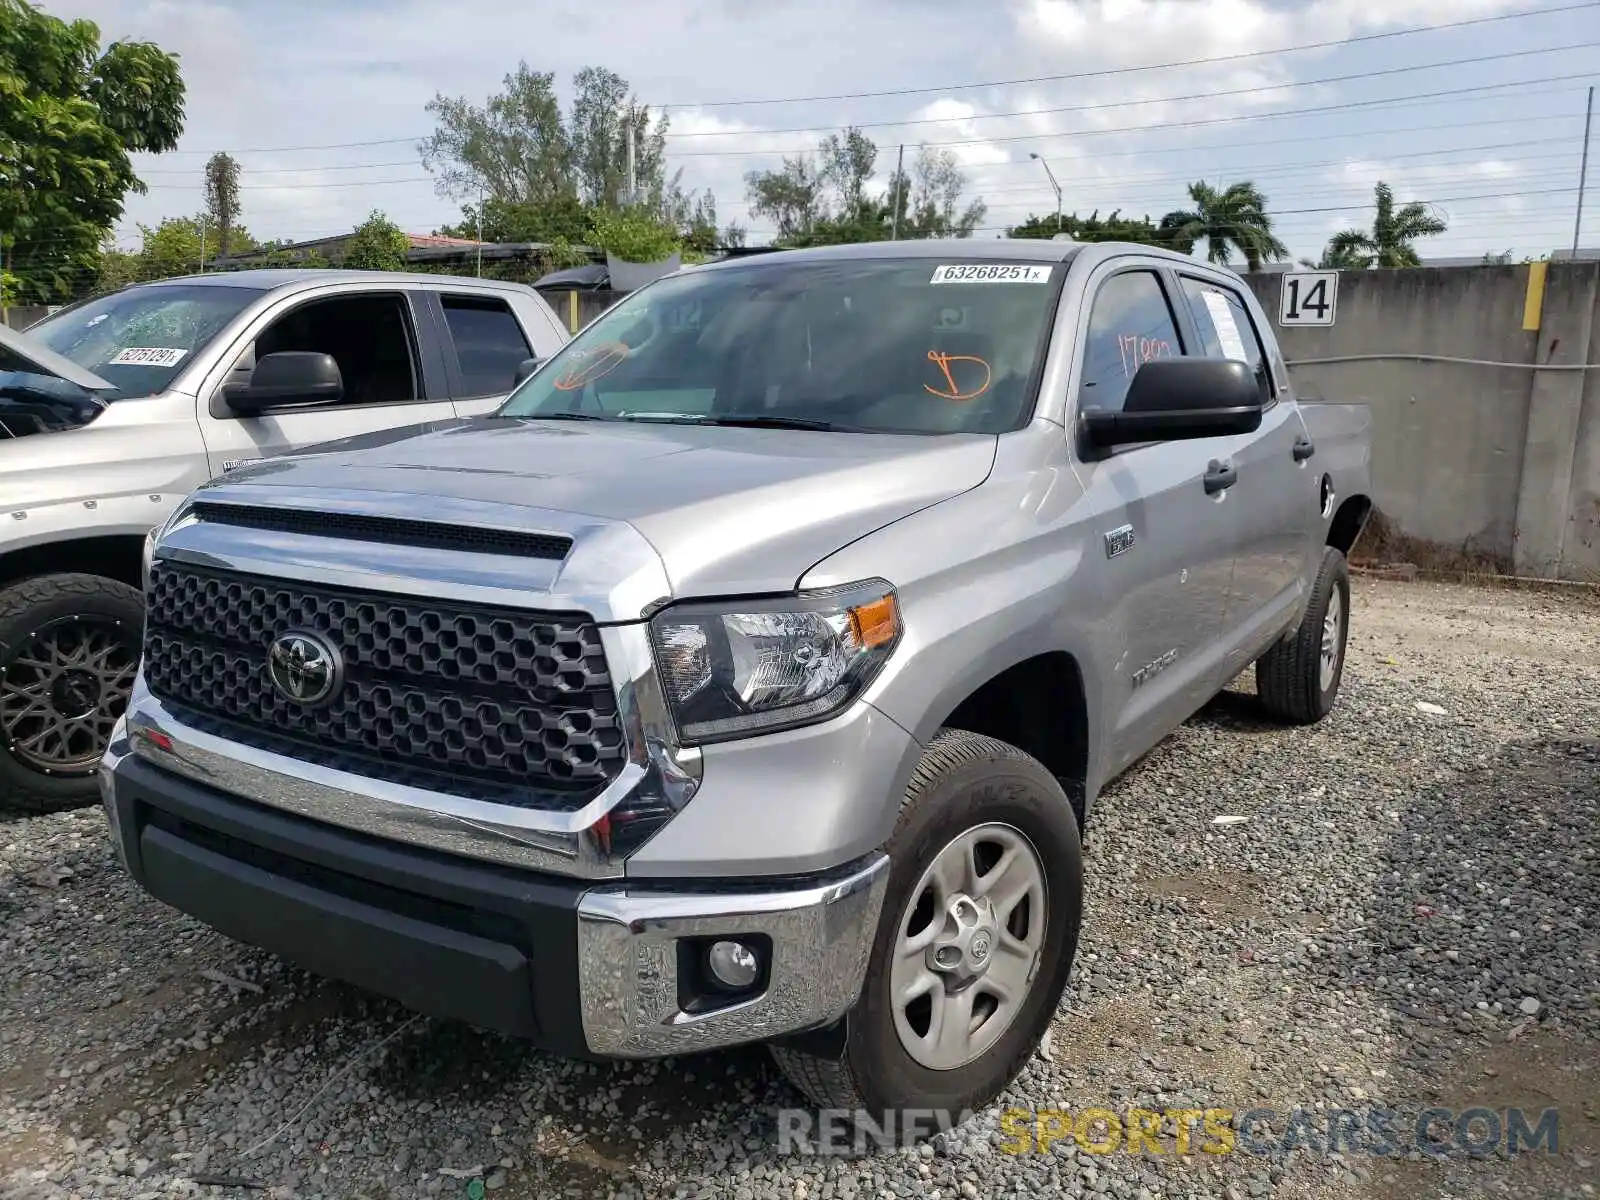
<point>733,964</point>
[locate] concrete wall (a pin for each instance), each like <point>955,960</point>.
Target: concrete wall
<point>1498,460</point>
<point>20,316</point>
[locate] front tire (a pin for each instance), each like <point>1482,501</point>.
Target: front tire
<point>1298,679</point>
<point>974,945</point>
<point>69,650</point>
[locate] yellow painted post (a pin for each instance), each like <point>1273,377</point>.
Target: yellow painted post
<point>1533,303</point>
<point>572,309</point>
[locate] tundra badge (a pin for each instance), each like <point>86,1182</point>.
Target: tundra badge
<point>1119,540</point>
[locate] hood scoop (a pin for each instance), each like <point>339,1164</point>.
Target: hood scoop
<point>389,531</point>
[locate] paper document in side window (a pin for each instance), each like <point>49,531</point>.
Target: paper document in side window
<point>1227,328</point>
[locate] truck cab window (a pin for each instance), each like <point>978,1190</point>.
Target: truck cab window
<point>1130,323</point>
<point>368,336</point>
<point>489,343</point>
<point>1226,330</point>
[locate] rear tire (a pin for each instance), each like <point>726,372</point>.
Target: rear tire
<point>69,649</point>
<point>1298,679</point>
<point>977,805</point>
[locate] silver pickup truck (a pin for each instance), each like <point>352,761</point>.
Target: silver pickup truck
<point>115,409</point>
<point>751,674</point>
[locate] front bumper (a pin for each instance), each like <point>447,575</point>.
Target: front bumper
<point>604,971</point>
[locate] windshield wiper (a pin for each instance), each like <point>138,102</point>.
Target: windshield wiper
<point>562,416</point>
<point>768,422</point>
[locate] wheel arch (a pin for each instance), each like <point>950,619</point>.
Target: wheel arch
<point>1349,519</point>
<point>1039,705</point>
<point>112,556</point>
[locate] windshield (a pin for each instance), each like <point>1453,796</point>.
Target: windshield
<point>139,339</point>
<point>892,345</point>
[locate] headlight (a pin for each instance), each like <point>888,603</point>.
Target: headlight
<point>738,668</point>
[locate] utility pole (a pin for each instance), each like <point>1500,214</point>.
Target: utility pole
<point>480,230</point>
<point>202,243</point>
<point>633,181</point>
<point>1583,172</point>
<point>1054,184</point>
<point>899,174</point>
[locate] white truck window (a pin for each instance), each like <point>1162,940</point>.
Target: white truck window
<point>369,336</point>
<point>489,343</point>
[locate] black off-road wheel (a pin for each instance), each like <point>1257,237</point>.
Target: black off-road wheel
<point>69,650</point>
<point>974,944</point>
<point>1297,680</point>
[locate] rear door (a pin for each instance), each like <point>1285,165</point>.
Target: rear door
<point>486,335</point>
<point>1167,539</point>
<point>1276,497</point>
<point>392,370</point>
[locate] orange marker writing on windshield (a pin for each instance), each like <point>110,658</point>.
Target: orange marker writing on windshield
<point>589,365</point>
<point>955,391</point>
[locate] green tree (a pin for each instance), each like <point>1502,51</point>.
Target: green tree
<point>175,247</point>
<point>70,116</point>
<point>513,149</point>
<point>518,148</point>
<point>563,219</point>
<point>824,198</point>
<point>118,267</point>
<point>222,197</point>
<point>634,235</point>
<point>1389,242</point>
<point>793,197</point>
<point>937,183</point>
<point>1232,219</point>
<point>378,244</point>
<point>1093,228</point>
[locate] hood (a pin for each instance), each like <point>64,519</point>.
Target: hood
<point>41,360</point>
<point>729,510</point>
<point>42,391</point>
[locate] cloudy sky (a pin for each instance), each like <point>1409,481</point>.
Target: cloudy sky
<point>323,102</point>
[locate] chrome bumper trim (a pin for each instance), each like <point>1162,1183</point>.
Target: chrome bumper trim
<point>628,962</point>
<point>117,749</point>
<point>539,840</point>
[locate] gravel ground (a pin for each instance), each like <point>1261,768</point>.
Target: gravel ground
<point>1405,916</point>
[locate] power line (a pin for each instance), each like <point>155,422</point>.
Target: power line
<point>950,87</point>
<point>1340,208</point>
<point>1166,66</point>
<point>1254,171</point>
<point>1250,171</point>
<point>1220,95</point>
<point>194,172</point>
<point>1392,101</point>
<point>1543,118</point>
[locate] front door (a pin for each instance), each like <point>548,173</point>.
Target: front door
<point>1166,535</point>
<point>392,377</point>
<point>1276,496</point>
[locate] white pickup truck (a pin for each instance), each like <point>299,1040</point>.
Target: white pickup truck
<point>115,409</point>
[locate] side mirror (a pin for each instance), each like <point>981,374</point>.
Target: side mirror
<point>288,378</point>
<point>525,368</point>
<point>1174,399</point>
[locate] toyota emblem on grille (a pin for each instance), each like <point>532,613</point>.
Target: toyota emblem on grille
<point>304,667</point>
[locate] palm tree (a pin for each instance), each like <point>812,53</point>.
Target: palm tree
<point>1389,242</point>
<point>1235,218</point>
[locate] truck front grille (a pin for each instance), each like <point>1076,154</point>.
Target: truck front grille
<point>497,704</point>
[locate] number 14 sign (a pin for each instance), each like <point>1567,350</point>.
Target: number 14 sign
<point>1308,297</point>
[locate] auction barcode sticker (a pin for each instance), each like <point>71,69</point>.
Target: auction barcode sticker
<point>147,356</point>
<point>991,273</point>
